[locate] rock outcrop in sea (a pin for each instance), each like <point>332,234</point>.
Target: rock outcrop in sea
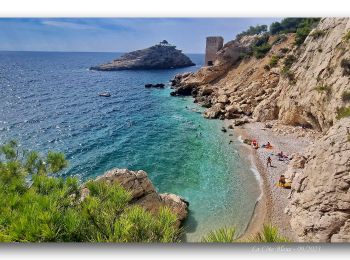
<point>306,85</point>
<point>144,193</point>
<point>159,56</point>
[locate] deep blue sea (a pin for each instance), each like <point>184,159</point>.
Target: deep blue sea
<point>49,101</point>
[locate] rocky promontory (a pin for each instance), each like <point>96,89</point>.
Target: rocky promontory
<point>159,56</point>
<point>143,192</point>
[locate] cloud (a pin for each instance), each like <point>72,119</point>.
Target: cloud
<point>69,25</point>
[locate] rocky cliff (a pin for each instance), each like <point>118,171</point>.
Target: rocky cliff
<point>315,94</point>
<point>299,85</point>
<point>306,85</point>
<point>143,192</point>
<point>320,200</point>
<point>160,56</point>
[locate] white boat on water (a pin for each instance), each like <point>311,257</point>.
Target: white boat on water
<point>104,94</point>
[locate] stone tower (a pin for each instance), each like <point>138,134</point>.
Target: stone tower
<point>214,44</point>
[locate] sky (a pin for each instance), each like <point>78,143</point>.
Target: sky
<point>117,34</point>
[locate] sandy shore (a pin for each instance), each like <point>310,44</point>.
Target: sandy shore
<point>270,208</point>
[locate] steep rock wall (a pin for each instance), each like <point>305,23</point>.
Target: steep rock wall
<point>316,95</point>
<point>320,198</point>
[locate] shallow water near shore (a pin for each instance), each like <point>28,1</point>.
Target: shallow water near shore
<point>49,101</point>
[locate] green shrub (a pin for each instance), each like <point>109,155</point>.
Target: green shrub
<point>345,64</point>
<point>273,61</point>
<point>290,25</point>
<point>244,55</point>
<point>253,30</point>
<point>222,235</point>
<point>279,39</point>
<point>35,206</point>
<point>323,88</point>
<point>269,234</point>
<point>284,50</point>
<point>267,67</point>
<point>289,60</point>
<point>288,74</point>
<point>347,36</point>
<point>346,96</point>
<point>301,35</point>
<point>260,52</point>
<point>343,112</point>
<point>317,34</point>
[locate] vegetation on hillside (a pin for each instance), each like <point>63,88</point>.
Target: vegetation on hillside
<point>36,206</point>
<point>323,87</point>
<point>269,234</point>
<point>261,46</point>
<point>346,96</point>
<point>273,61</point>
<point>343,112</point>
<point>287,64</point>
<point>253,30</point>
<point>345,64</point>
<point>301,26</point>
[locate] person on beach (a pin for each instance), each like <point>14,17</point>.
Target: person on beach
<point>255,144</point>
<point>267,146</point>
<point>269,162</point>
<point>282,180</point>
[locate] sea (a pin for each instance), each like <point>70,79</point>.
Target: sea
<point>49,101</point>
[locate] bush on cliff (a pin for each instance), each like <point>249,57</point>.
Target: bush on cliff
<point>291,25</point>
<point>343,112</point>
<point>36,206</point>
<point>274,61</point>
<point>301,26</point>
<point>252,30</point>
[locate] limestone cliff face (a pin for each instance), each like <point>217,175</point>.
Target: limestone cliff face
<point>320,201</point>
<point>234,86</point>
<point>155,57</point>
<point>308,93</point>
<point>316,95</point>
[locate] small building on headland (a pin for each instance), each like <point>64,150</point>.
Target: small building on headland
<point>165,43</point>
<point>213,45</point>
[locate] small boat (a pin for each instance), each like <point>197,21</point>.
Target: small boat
<point>105,94</point>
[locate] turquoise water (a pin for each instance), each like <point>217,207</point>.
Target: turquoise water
<point>49,102</point>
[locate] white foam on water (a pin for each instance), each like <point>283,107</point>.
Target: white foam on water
<point>259,179</point>
<point>239,138</point>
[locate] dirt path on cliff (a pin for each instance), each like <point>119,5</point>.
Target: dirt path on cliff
<point>270,209</point>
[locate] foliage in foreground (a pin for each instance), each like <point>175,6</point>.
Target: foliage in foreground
<point>35,206</point>
<point>269,234</point>
<point>222,235</point>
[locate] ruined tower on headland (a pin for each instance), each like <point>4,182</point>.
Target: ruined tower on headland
<point>214,44</point>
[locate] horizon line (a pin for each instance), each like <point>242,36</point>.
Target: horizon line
<point>83,51</point>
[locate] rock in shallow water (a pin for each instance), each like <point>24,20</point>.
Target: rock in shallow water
<point>159,85</point>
